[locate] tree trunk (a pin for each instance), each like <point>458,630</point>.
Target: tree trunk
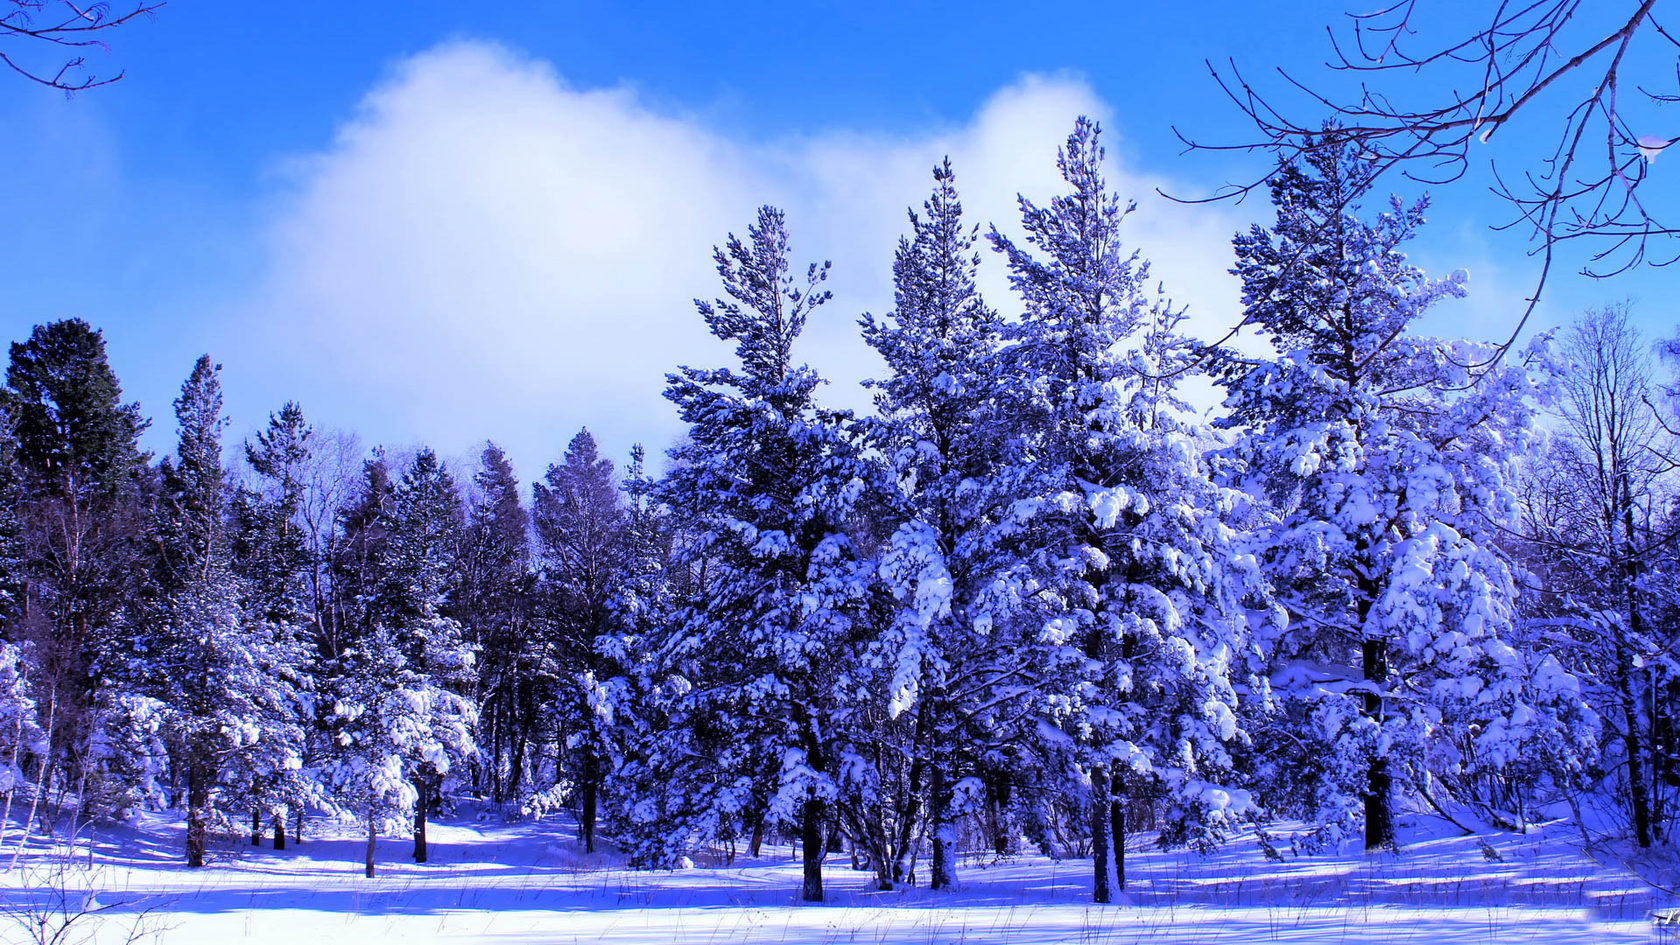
<point>1631,743</point>
<point>590,799</point>
<point>279,831</point>
<point>1117,828</point>
<point>880,855</point>
<point>371,835</point>
<point>297,827</point>
<point>996,821</point>
<point>812,840</point>
<point>1379,809</point>
<point>910,814</point>
<point>498,733</point>
<point>1100,891</point>
<point>942,875</point>
<point>198,798</point>
<point>420,805</point>
<point>757,841</point>
<point>256,826</point>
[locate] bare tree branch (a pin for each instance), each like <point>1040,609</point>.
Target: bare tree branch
<point>31,31</point>
<point>1536,58</point>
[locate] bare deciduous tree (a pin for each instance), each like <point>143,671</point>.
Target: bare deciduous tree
<point>1599,518</point>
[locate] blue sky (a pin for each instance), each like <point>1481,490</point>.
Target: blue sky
<point>442,222</point>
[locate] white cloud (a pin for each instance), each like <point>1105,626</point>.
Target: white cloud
<point>486,251</point>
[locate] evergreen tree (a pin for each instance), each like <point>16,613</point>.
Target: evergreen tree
<point>225,674</point>
<point>359,556</point>
<point>272,560</point>
<point>947,660</point>
<point>580,527</point>
<point>404,722</point>
<point>270,549</point>
<point>766,482</point>
<point>630,714</point>
<point>1140,627</point>
<point>81,486</point>
<point>494,609</point>
<point>1386,461</point>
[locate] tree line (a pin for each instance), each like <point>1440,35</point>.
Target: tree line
<point>1033,600</point>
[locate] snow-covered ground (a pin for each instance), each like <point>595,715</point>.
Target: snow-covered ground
<point>529,883</point>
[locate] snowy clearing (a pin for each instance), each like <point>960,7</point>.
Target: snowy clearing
<point>529,883</point>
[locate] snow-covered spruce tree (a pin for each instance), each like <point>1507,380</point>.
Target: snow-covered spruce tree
<point>1598,516</point>
<point>403,722</point>
<point>271,558</point>
<point>766,482</point>
<point>628,711</point>
<point>1385,460</point>
<point>224,675</point>
<point>579,520</point>
<point>1137,587</point>
<point>494,607</point>
<point>947,668</point>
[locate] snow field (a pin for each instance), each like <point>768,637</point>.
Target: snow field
<point>530,883</point>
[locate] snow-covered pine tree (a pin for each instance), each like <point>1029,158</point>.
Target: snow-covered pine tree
<point>1141,625</point>
<point>403,722</point>
<point>579,520</point>
<point>420,570</point>
<point>947,665</point>
<point>765,482</point>
<point>271,557</point>
<point>631,716</point>
<point>1385,458</point>
<point>224,674</point>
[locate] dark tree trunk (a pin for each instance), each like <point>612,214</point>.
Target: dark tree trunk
<point>589,802</point>
<point>1379,787</point>
<point>880,856</point>
<point>420,806</point>
<point>1117,828</point>
<point>516,764</point>
<point>911,812</point>
<point>256,826</point>
<point>1100,891</point>
<point>297,827</point>
<point>498,733</point>
<point>368,871</point>
<point>279,832</point>
<point>812,840</point>
<point>1638,797</point>
<point>996,821</point>
<point>757,841</point>
<point>198,798</point>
